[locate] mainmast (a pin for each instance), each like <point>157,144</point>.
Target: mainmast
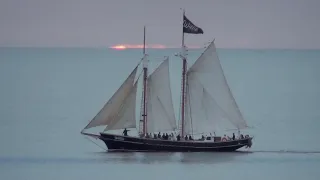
<point>190,28</point>
<point>145,75</point>
<point>184,69</point>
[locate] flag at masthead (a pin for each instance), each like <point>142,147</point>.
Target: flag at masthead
<point>189,27</point>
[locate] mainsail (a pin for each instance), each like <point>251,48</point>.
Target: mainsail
<point>117,113</point>
<point>210,106</point>
<point>160,110</point>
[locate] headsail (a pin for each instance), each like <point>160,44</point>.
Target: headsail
<point>159,101</point>
<point>209,101</point>
<point>126,116</point>
<point>107,114</point>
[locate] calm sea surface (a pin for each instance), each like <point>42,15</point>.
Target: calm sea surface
<point>48,95</point>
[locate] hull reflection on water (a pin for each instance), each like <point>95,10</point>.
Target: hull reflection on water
<point>172,157</point>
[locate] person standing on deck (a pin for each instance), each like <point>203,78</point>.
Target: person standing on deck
<point>178,137</point>
<point>125,132</point>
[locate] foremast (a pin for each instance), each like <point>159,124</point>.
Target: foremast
<point>144,92</point>
<point>157,112</point>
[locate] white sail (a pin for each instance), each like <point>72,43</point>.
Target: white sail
<point>112,107</point>
<point>210,106</point>
<point>126,116</point>
<point>160,112</point>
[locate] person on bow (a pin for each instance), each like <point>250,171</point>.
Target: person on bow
<point>125,132</point>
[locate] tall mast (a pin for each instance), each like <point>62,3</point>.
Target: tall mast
<point>190,28</point>
<point>184,68</point>
<point>145,75</point>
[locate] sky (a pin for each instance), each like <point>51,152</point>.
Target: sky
<point>285,24</point>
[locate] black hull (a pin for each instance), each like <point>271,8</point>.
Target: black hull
<point>127,143</point>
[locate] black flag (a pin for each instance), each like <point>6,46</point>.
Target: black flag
<point>189,27</point>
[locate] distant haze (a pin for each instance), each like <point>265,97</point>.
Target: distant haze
<point>289,24</point>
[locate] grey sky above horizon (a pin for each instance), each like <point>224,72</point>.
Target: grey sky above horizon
<point>103,23</point>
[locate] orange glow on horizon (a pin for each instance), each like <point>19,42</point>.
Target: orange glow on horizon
<point>140,46</point>
<point>137,46</point>
<point>119,47</point>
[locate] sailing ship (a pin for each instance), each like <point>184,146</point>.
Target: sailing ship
<point>207,106</point>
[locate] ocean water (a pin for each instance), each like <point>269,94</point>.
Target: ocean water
<point>48,95</point>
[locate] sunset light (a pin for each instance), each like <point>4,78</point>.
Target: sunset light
<point>137,46</point>
<point>119,47</point>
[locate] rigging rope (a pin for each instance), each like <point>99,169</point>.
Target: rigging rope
<point>96,144</point>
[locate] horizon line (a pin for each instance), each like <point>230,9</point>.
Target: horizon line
<point>162,47</point>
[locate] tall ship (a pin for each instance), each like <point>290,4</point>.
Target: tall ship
<point>207,108</point>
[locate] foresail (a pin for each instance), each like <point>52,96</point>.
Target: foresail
<point>160,112</point>
<point>209,101</point>
<point>126,116</point>
<point>112,107</point>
